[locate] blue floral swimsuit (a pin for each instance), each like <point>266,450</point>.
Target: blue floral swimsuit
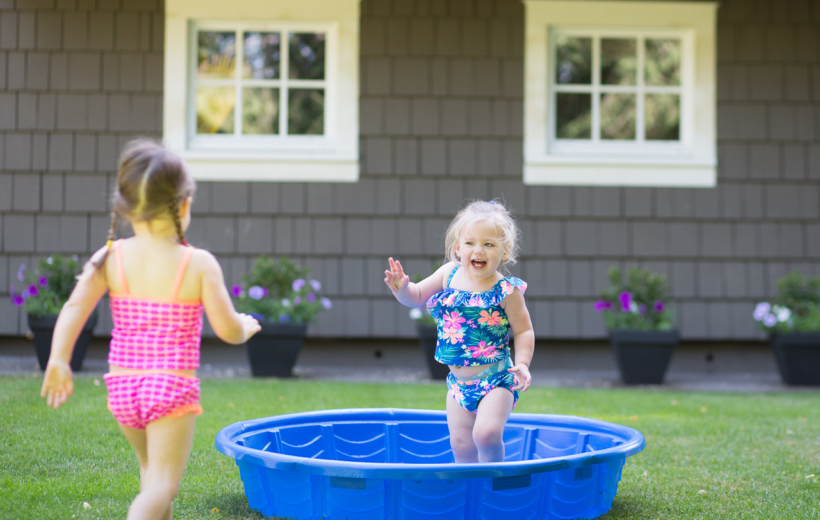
<point>473,330</point>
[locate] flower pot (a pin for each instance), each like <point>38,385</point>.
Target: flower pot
<point>43,331</point>
<point>428,336</point>
<point>273,350</point>
<point>798,357</point>
<point>643,355</point>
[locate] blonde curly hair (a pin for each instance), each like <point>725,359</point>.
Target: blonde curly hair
<point>493,211</point>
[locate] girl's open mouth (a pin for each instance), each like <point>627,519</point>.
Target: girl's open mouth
<point>478,264</point>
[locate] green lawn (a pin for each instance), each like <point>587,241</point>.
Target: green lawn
<point>708,455</point>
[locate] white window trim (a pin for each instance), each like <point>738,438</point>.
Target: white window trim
<point>333,157</point>
<point>692,163</point>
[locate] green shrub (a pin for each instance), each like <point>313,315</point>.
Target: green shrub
<point>637,303</point>
<point>796,307</point>
<point>47,287</point>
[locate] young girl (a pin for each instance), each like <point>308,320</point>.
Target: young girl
<point>158,286</point>
<point>475,306</point>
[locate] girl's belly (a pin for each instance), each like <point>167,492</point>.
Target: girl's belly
<point>468,372</point>
<point>115,368</point>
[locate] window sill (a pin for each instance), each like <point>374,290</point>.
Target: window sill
<point>586,171</point>
<point>211,166</point>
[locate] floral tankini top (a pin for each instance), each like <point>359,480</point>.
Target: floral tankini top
<point>472,326</point>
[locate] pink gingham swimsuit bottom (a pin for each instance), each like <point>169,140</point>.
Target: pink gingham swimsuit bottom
<point>154,340</point>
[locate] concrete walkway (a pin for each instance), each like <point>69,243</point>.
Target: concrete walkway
<point>733,367</point>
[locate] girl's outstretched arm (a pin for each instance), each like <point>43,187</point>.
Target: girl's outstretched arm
<point>414,294</point>
<point>521,325</point>
<point>229,325</point>
<point>91,285</point>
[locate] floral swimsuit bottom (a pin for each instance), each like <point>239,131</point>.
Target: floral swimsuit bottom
<point>473,330</point>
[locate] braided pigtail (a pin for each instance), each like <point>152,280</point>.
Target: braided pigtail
<point>174,208</point>
<point>97,261</point>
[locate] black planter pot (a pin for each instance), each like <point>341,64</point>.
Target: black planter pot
<point>428,335</point>
<point>643,355</point>
<point>43,331</point>
<point>273,350</point>
<point>798,357</point>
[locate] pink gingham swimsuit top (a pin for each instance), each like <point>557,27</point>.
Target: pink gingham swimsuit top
<point>154,333</point>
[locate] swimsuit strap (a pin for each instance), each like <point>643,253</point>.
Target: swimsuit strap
<point>183,265</point>
<point>120,270</point>
<point>450,279</point>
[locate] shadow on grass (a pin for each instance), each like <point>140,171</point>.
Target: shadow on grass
<point>232,505</point>
<point>631,507</point>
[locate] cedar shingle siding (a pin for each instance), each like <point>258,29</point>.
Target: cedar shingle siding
<point>441,121</point>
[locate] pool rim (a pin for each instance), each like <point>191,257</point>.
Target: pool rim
<point>634,442</point>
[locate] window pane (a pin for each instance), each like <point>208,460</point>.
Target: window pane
<point>306,112</point>
<point>307,56</point>
<point>573,116</point>
<point>662,117</point>
<point>573,60</point>
<point>261,55</point>
<point>618,61</point>
<point>617,116</point>
<point>260,111</point>
<point>216,54</point>
<point>214,110</point>
<point>662,61</point>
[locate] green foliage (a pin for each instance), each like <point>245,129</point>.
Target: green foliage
<point>637,303</point>
<point>279,291</point>
<point>60,276</point>
<point>796,307</point>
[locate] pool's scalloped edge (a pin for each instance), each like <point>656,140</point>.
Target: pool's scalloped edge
<point>633,442</point>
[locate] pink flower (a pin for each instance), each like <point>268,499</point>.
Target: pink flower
<point>454,335</point>
<point>475,301</point>
<point>483,350</point>
<point>454,319</point>
<point>490,320</point>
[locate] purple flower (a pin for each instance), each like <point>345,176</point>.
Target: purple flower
<point>316,285</point>
<point>602,305</point>
<point>43,281</point>
<point>659,306</point>
<point>625,298</point>
<point>236,291</point>
<point>297,300</point>
<point>311,297</point>
<point>770,320</point>
<point>326,303</point>
<point>17,300</point>
<point>642,309</point>
<point>256,292</point>
<point>761,311</point>
<point>284,318</point>
<point>32,290</point>
<point>21,272</point>
<point>298,284</point>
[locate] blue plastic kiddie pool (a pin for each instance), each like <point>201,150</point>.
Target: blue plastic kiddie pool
<point>374,464</point>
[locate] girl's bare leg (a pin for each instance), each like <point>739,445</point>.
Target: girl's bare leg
<point>460,423</point>
<point>488,431</point>
<point>168,443</point>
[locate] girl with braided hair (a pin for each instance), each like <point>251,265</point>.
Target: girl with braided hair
<point>158,288</point>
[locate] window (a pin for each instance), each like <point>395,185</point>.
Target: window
<point>263,91</point>
<point>620,93</point>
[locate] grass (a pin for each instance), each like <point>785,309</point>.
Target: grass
<point>708,455</point>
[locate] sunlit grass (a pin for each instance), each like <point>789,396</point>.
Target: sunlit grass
<point>708,455</point>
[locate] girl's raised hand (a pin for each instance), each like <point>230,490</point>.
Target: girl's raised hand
<point>522,374</point>
<point>395,277</point>
<point>58,383</point>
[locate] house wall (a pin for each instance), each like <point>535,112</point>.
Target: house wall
<point>441,121</point>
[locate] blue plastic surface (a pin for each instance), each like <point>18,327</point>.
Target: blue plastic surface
<point>374,464</point>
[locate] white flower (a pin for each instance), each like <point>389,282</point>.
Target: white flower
<point>783,314</point>
<point>761,311</point>
<point>50,260</point>
<point>633,307</point>
<point>415,313</point>
<point>286,303</point>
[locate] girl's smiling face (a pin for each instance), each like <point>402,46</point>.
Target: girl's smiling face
<point>481,249</point>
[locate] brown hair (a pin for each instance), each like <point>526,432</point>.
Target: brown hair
<point>151,183</point>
